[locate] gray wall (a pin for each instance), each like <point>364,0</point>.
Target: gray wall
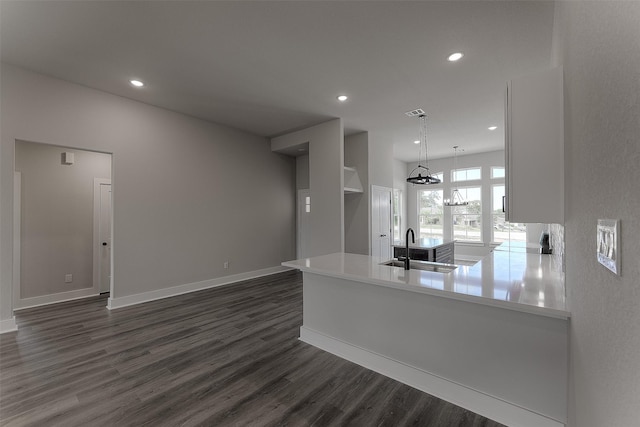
<point>598,44</point>
<point>380,161</point>
<point>326,181</point>
<point>302,172</point>
<point>56,217</point>
<point>185,197</point>
<point>356,205</point>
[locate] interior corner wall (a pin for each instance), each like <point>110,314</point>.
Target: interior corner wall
<point>356,205</point>
<point>182,204</point>
<point>326,182</point>
<point>598,46</point>
<point>57,217</point>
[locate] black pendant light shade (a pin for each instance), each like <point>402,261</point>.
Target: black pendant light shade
<point>427,178</point>
<point>422,180</point>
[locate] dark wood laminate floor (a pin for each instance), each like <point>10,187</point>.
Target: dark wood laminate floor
<point>228,356</point>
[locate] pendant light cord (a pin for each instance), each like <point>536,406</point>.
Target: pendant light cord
<point>423,140</point>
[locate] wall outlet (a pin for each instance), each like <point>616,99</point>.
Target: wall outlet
<point>68,278</point>
<point>226,264</point>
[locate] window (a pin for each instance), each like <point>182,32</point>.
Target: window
<point>307,204</point>
<point>497,172</point>
<point>468,174</point>
<point>501,230</point>
<point>430,213</point>
<point>467,220</point>
<point>397,215</point>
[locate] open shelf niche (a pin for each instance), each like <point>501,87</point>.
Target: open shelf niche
<point>352,182</point>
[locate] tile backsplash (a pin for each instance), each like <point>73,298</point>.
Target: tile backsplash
<point>556,233</point>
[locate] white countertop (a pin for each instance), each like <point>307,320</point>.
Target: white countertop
<point>514,280</point>
<point>533,248</point>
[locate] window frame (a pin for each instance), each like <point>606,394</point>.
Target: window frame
<point>397,213</point>
<point>495,168</point>
<point>455,211</point>
<point>454,172</point>
<point>510,227</point>
<point>421,217</point>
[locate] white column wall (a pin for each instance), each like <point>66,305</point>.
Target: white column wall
<point>326,182</point>
<point>598,45</point>
<point>356,205</point>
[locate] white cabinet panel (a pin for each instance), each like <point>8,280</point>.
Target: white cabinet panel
<point>534,148</point>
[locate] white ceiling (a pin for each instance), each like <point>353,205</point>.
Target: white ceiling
<point>272,67</point>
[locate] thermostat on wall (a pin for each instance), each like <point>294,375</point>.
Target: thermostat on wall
<point>68,158</point>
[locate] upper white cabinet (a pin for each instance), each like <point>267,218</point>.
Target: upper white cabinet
<point>534,149</point>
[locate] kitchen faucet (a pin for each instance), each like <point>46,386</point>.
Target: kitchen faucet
<point>407,266</point>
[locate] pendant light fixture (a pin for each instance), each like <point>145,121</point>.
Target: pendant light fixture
<point>427,178</point>
<point>456,198</point>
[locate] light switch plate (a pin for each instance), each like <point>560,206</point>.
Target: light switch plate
<point>608,244</point>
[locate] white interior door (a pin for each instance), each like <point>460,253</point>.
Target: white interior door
<point>303,229</point>
<point>381,222</point>
<point>104,240</point>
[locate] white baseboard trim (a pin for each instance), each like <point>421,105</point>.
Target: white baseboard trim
<point>465,397</point>
<point>8,325</point>
<point>32,302</point>
<point>115,303</point>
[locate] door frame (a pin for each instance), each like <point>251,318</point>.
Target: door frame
<point>17,228</point>
<point>97,182</point>
<point>371,230</point>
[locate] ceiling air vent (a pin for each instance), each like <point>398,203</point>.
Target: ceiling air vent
<point>416,112</point>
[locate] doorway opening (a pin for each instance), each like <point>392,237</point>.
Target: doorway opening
<point>56,246</point>
<point>102,234</point>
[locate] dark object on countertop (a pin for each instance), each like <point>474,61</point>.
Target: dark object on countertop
<point>407,265</point>
<point>544,243</point>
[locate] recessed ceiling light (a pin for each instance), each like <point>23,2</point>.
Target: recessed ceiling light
<point>455,56</point>
<point>492,127</point>
<point>342,98</point>
<point>417,141</point>
<point>136,83</point>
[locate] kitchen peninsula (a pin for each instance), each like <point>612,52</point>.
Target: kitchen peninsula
<point>491,337</point>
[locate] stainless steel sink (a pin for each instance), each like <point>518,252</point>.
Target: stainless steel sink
<point>436,267</point>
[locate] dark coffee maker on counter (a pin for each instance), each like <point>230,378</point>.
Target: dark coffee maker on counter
<point>544,243</point>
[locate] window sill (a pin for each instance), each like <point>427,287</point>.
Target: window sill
<point>467,243</point>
